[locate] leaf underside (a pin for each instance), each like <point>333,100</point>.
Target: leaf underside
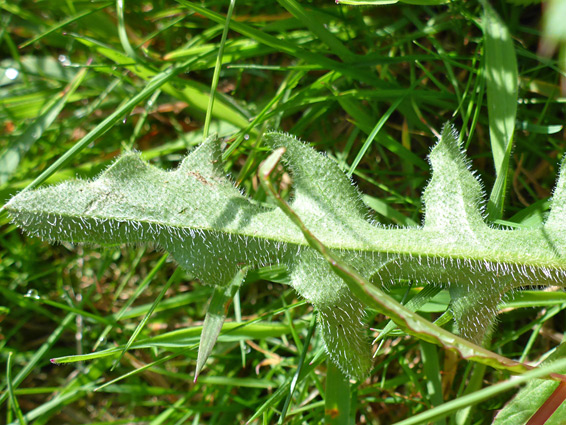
<point>213,230</point>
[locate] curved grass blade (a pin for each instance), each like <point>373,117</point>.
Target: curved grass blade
<point>373,133</point>
<point>13,399</point>
<point>122,34</point>
<point>190,336</point>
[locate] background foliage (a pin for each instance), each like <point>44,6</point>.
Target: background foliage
<point>370,86</point>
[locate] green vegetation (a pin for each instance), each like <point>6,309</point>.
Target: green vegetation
<point>83,82</point>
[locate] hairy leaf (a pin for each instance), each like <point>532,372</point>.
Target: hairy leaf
<point>214,230</point>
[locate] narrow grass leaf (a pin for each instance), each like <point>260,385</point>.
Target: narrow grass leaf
<point>216,314</point>
<point>140,288</point>
<point>473,383</point>
<point>231,381</point>
<point>525,299</point>
<point>297,373</point>
<point>13,399</point>
<point>141,325</point>
<point>238,317</point>
<point>90,356</point>
<point>432,372</point>
<point>502,91</point>
<point>181,338</point>
<point>216,74</point>
<point>384,118</point>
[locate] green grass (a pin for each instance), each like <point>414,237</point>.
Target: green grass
<point>368,85</point>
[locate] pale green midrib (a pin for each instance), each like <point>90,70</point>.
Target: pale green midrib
<point>415,243</point>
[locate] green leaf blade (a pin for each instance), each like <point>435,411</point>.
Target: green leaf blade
<point>502,93</point>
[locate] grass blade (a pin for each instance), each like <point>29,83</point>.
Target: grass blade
<point>372,135</point>
<point>502,90</point>
<point>297,375</point>
<point>13,399</point>
<point>216,74</point>
<point>140,326</point>
<point>122,31</point>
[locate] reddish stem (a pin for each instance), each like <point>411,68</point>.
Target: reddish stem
<point>550,405</point>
